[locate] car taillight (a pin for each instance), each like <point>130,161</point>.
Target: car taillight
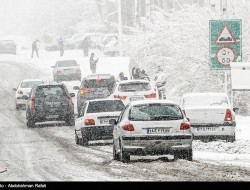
<point>33,103</point>
<point>20,92</point>
<point>153,95</point>
<point>78,70</point>
<point>185,126</point>
<point>59,72</point>
<point>120,97</point>
<point>89,122</point>
<point>84,91</point>
<point>228,116</point>
<point>128,127</point>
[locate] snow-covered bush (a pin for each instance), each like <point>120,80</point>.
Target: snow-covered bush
<point>177,50</point>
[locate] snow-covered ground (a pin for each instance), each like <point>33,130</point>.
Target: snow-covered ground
<point>49,153</point>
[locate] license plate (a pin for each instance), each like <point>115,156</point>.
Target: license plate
<point>136,98</point>
<point>68,71</point>
<point>158,131</point>
<point>105,121</point>
<point>52,116</point>
<point>206,129</point>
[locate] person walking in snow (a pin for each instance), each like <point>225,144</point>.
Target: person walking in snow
<point>35,48</point>
<point>93,63</point>
<point>61,46</point>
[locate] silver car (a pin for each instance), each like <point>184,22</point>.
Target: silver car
<point>152,127</point>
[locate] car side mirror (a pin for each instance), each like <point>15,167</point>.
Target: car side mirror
<point>235,110</point>
<point>14,89</point>
<point>112,122</point>
<point>76,88</point>
<point>72,95</point>
<point>52,66</point>
<point>25,97</point>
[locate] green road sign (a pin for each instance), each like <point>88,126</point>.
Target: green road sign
<point>225,44</point>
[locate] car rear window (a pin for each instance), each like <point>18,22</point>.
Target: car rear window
<point>105,106</point>
<point>205,100</point>
<point>155,112</point>
<point>50,90</point>
<point>98,83</point>
<point>30,84</point>
<point>69,63</point>
<point>134,87</point>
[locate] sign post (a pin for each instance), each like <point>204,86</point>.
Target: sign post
<point>225,44</point>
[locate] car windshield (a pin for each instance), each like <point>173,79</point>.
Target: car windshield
<point>50,90</point>
<point>155,112</point>
<point>98,83</point>
<point>30,84</point>
<point>105,106</point>
<point>205,100</point>
<point>69,63</point>
<point>134,87</point>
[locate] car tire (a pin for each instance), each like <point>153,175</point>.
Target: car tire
<point>184,154</point>
<point>84,140</point>
<point>70,121</point>
<point>30,122</point>
<point>124,156</point>
<point>115,155</point>
<point>77,140</point>
<point>230,139</point>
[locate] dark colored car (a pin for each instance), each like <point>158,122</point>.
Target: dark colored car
<point>7,47</point>
<point>97,86</point>
<point>50,102</point>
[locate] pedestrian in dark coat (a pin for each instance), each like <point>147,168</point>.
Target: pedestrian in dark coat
<point>35,48</point>
<point>61,46</point>
<point>137,74</point>
<point>93,63</point>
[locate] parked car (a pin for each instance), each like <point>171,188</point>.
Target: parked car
<point>152,127</point>
<point>97,86</point>
<point>8,47</point>
<point>210,115</point>
<point>132,90</point>
<point>66,70</point>
<point>50,102</point>
<point>110,45</point>
<point>93,121</point>
<point>23,89</point>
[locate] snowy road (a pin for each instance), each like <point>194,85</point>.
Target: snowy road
<point>49,153</point>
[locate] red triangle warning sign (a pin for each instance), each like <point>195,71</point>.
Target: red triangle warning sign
<point>225,36</point>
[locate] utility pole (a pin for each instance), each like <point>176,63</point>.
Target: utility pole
<point>120,26</point>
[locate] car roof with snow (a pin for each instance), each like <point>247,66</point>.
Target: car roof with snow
<point>205,94</point>
<point>29,80</point>
<point>106,99</point>
<point>141,102</point>
<point>133,81</point>
<point>103,76</point>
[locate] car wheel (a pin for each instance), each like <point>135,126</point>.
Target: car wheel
<point>30,122</point>
<point>70,121</point>
<point>124,156</point>
<point>77,141</point>
<point>230,139</point>
<point>184,154</point>
<point>115,155</point>
<point>84,140</point>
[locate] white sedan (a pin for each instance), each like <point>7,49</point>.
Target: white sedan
<point>210,115</point>
<point>93,121</point>
<point>24,89</point>
<point>152,127</point>
<point>132,90</point>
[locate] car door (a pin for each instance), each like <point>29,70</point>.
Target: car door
<point>80,120</point>
<point>117,130</point>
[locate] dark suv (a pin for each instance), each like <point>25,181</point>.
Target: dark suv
<point>97,86</point>
<point>50,102</point>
